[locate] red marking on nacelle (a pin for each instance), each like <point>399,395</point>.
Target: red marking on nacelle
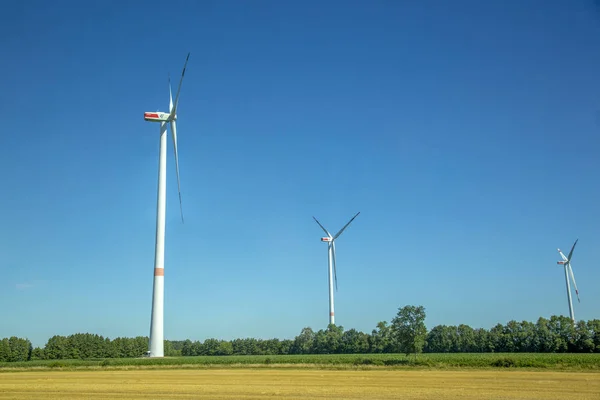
<point>150,115</point>
<point>325,239</point>
<point>560,262</point>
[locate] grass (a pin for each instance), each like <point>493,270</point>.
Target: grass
<point>249,383</point>
<point>581,362</point>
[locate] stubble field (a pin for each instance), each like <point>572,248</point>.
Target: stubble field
<point>293,383</point>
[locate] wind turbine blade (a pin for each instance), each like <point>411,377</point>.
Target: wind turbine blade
<point>562,255</point>
<point>170,97</point>
<point>334,268</point>
<point>174,136</point>
<point>574,283</point>
<point>571,252</point>
<point>328,234</point>
<point>345,226</point>
<point>174,110</point>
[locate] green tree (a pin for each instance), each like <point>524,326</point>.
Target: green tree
<point>303,343</point>
<point>466,339</point>
<point>140,345</point>
<point>440,339</point>
<point>168,349</point>
<point>483,344</point>
<point>285,346</point>
<point>4,350</point>
<point>544,338</point>
<point>37,354</point>
<point>197,348</point>
<point>210,347</point>
<point>56,348</point>
<point>225,348</point>
<point>270,346</point>
<point>20,349</point>
<point>594,329</point>
<point>498,339</point>
<point>186,349</point>
<point>563,330</point>
<point>355,342</point>
<point>584,340</point>
<point>381,338</point>
<point>320,343</point>
<point>408,329</point>
<point>333,336</point>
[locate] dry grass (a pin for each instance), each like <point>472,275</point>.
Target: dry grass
<point>299,384</point>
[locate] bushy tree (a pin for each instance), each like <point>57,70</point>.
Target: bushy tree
<point>408,329</point>
<point>380,340</point>
<point>303,343</point>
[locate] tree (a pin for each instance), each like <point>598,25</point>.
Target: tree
<point>483,343</point>
<point>544,338</point>
<point>333,338</point>
<point>37,354</point>
<point>56,348</point>
<point>466,338</point>
<point>441,339</point>
<point>303,343</point>
<point>225,348</point>
<point>380,339</point>
<point>409,330</point>
<point>285,346</point>
<point>355,342</point>
<point>210,347</point>
<point>594,328</point>
<point>585,341</point>
<point>563,329</point>
<point>4,350</point>
<point>168,349</point>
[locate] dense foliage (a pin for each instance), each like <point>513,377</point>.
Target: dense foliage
<point>407,334</point>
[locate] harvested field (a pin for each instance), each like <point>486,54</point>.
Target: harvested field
<point>299,384</point>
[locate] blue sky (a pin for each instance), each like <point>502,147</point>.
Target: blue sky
<point>466,134</point>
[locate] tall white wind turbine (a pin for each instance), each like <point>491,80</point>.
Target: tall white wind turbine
<point>566,261</point>
<point>331,261</point>
<point>157,319</point>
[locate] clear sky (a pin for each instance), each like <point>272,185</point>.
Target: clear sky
<point>466,133</point>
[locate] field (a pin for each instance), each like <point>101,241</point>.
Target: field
<point>294,383</point>
<point>563,362</point>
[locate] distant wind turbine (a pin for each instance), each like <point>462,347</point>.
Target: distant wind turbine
<point>331,261</point>
<point>157,319</point>
<point>566,261</point>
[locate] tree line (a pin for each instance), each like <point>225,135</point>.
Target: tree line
<point>405,334</point>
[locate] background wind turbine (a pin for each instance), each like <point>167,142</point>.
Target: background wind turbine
<point>331,261</point>
<point>566,261</point>
<point>157,319</point>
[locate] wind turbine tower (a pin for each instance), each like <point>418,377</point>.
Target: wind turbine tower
<point>566,262</point>
<point>158,293</point>
<point>330,240</point>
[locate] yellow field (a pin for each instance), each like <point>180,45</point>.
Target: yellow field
<point>298,384</point>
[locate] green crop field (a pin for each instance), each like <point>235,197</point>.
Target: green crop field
<point>564,361</point>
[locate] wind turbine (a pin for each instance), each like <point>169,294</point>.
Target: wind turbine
<point>566,261</point>
<point>157,319</point>
<point>331,261</point>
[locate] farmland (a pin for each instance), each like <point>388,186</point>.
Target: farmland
<point>547,361</point>
<point>295,383</point>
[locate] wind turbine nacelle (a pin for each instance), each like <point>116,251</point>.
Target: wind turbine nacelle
<point>561,262</point>
<point>156,116</point>
<point>326,239</point>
